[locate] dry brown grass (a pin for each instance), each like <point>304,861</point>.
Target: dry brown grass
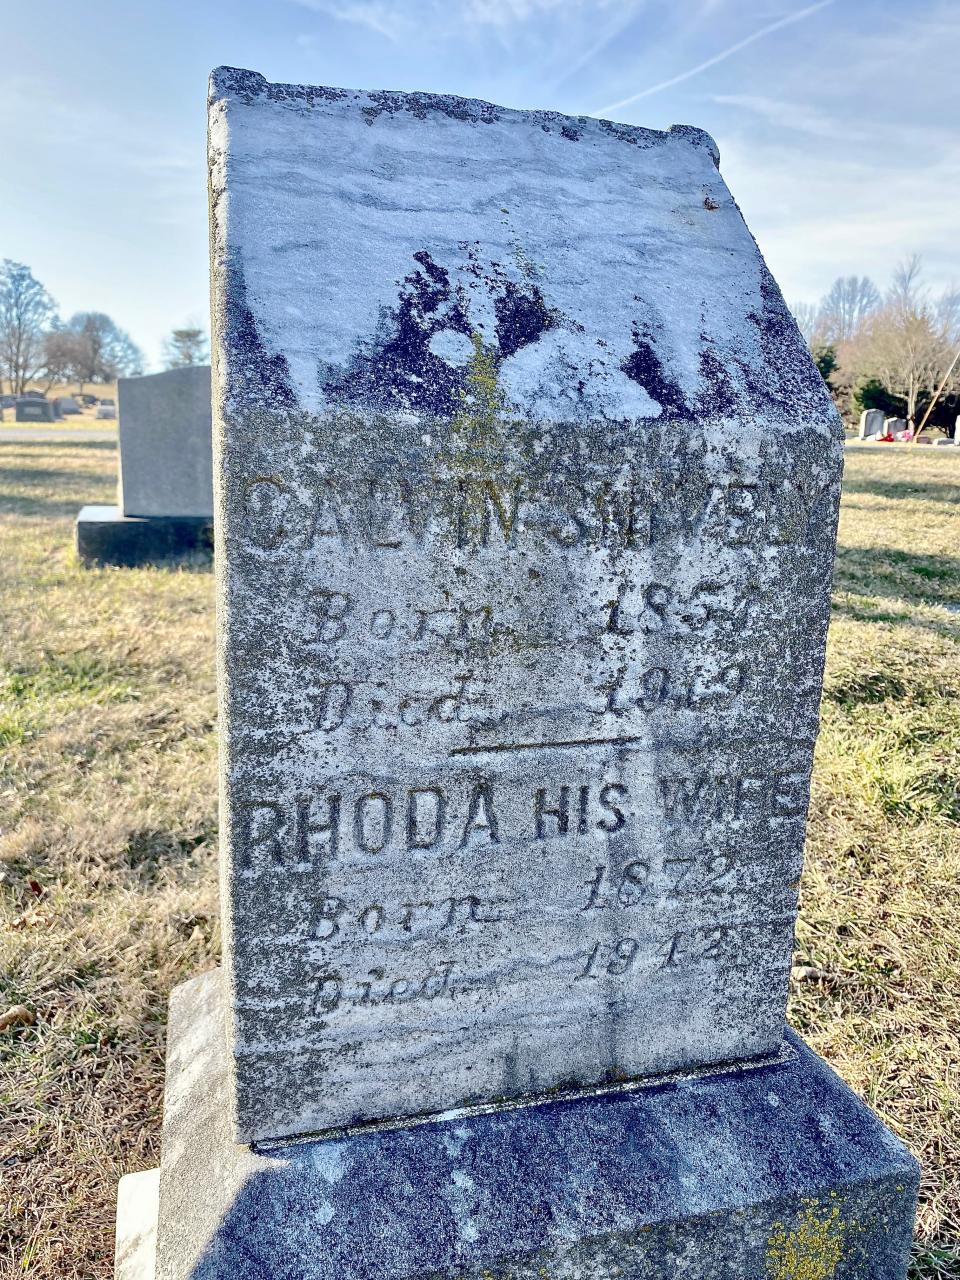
<point>107,848</point>
<point>107,842</point>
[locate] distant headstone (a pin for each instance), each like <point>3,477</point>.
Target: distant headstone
<point>106,410</point>
<point>526,499</point>
<point>165,444</point>
<point>892,426</point>
<point>943,440</point>
<point>871,423</point>
<point>68,405</point>
<point>34,409</point>
<point>165,485</point>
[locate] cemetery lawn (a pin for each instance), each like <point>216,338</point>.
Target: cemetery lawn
<point>108,842</point>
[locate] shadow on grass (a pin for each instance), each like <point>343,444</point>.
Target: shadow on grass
<point>899,575</point>
<point>51,491</point>
<point>939,491</point>
<point>56,508</point>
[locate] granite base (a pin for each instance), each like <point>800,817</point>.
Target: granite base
<point>777,1172</point>
<point>106,537</point>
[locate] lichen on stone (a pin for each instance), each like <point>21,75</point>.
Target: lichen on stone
<point>810,1250</point>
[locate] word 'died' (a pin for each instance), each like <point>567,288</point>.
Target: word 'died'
<point>630,511</point>
<point>372,706</point>
<point>333,990</point>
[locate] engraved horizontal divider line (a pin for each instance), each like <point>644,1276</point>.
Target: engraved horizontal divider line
<point>722,744</point>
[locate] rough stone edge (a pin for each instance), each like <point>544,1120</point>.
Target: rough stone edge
<point>138,1203</point>
<point>239,84</point>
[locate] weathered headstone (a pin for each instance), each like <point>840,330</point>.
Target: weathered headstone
<point>34,409</point>
<point>165,484</point>
<point>871,423</point>
<point>166,461</point>
<point>526,502</point>
<point>893,426</point>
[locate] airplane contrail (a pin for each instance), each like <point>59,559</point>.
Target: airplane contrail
<point>717,57</point>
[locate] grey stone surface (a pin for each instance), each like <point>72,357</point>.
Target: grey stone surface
<point>33,409</point>
<point>526,507</point>
<point>104,536</point>
<point>871,423</point>
<point>775,1173</point>
<point>892,425</point>
<point>135,1254</point>
<point>166,466</point>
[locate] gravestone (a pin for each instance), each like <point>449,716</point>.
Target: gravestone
<point>166,461</point>
<point>165,480</point>
<point>34,409</point>
<point>871,423</point>
<point>526,503</point>
<point>892,426</point>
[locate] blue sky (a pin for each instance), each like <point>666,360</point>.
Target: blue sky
<point>838,122</point>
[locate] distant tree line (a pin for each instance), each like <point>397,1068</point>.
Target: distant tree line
<point>38,347</point>
<point>887,351</point>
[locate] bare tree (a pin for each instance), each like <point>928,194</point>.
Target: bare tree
<point>59,355</point>
<point>807,316</point>
<point>185,347</point>
<point>26,313</point>
<point>102,351</point>
<point>908,344</point>
<point>846,308</point>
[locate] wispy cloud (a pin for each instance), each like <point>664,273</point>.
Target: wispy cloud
<point>386,20</point>
<point>626,14</point>
<point>398,19</point>
<point>875,214</point>
<point>767,30</point>
<point>798,116</point>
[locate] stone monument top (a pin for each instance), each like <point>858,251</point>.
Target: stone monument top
<point>526,495</point>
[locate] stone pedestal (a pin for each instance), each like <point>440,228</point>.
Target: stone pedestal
<point>104,535</point>
<point>771,1172</point>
